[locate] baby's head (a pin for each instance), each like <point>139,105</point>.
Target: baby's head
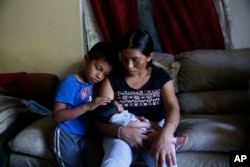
<point>104,113</point>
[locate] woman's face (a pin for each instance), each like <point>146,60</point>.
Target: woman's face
<point>134,61</point>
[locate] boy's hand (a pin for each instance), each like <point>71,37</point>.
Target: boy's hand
<point>118,106</point>
<point>98,101</point>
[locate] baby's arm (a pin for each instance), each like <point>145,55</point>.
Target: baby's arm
<point>142,122</point>
<point>139,124</point>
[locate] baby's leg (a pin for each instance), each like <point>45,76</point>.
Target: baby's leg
<point>181,140</point>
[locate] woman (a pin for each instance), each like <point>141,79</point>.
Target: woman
<point>143,90</point>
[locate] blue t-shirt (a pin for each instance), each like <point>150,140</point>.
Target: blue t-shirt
<point>146,101</point>
<point>73,92</point>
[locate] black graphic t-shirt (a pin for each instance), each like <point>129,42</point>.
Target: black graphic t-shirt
<point>146,101</point>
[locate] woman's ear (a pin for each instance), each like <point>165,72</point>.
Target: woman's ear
<point>119,56</point>
<point>150,57</point>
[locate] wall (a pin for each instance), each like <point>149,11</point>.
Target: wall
<point>241,23</point>
<point>41,36</point>
<point>47,36</point>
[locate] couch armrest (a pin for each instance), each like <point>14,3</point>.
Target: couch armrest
<point>41,87</point>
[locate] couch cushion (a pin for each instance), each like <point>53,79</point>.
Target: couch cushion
<point>217,133</point>
<point>203,159</point>
<point>215,102</point>
<point>214,70</point>
<point>34,139</point>
<point>17,160</point>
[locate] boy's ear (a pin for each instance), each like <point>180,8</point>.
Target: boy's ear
<point>85,58</point>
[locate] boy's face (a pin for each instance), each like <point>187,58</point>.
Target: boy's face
<point>96,70</point>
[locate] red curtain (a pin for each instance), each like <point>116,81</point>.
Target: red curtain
<point>186,25</point>
<point>115,17</point>
<point>183,25</point>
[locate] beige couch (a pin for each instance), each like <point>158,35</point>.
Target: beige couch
<point>212,87</point>
<point>214,98</point>
<point>16,112</point>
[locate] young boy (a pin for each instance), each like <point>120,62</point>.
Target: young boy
<point>72,140</point>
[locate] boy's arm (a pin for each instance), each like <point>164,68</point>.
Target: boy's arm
<point>65,95</point>
<point>61,113</point>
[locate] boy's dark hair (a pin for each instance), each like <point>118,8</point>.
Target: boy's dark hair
<point>104,113</point>
<point>106,51</point>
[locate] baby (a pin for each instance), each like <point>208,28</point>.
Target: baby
<point>114,113</point>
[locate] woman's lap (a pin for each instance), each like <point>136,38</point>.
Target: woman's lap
<point>116,153</point>
<point>119,153</point>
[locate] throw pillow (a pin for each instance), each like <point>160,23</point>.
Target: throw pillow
<point>213,133</point>
<point>34,139</point>
<point>9,107</point>
<point>164,58</point>
<point>7,122</point>
<point>173,69</point>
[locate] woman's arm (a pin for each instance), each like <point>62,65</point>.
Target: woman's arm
<point>171,106</point>
<point>161,147</point>
<point>106,90</point>
<point>133,136</point>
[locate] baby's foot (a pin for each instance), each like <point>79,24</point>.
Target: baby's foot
<point>181,140</point>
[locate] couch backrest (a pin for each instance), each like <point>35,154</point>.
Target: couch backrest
<point>214,70</point>
<point>214,81</point>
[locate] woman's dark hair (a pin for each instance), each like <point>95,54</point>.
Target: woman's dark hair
<point>138,39</point>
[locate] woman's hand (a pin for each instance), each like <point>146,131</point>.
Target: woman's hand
<point>161,149</point>
<point>134,137</point>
